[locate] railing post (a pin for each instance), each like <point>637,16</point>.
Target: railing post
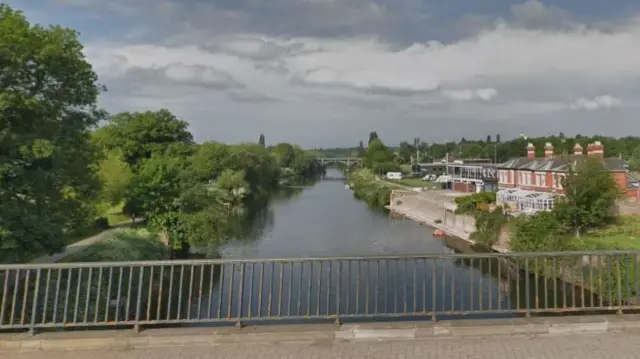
<point>527,283</point>
<point>239,324</point>
<point>34,307</point>
<point>136,326</point>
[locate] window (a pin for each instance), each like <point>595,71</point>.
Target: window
<point>541,180</point>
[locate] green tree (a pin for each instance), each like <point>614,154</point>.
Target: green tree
<point>166,192</point>
<point>233,187</point>
<point>285,154</point>
<point>377,153</point>
<point>405,152</point>
<point>634,160</point>
<point>48,104</point>
<point>590,198</point>
<point>115,175</point>
<point>210,159</point>
<point>139,135</point>
<point>372,136</point>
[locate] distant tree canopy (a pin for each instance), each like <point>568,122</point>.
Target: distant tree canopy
<point>139,135</point>
<point>490,148</point>
<point>372,137</point>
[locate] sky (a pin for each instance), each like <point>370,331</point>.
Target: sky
<point>324,73</point>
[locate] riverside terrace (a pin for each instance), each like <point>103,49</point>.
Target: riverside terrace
<point>443,286</point>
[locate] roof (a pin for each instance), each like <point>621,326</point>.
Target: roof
<point>560,163</point>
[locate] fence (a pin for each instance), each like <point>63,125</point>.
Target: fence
<point>217,291</point>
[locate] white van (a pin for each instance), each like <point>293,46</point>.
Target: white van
<point>394,175</point>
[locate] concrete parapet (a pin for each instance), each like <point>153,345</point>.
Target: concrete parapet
<point>314,333</point>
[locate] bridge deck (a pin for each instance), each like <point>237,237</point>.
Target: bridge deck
<point>481,343</point>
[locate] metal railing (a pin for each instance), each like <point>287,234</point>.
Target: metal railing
<point>233,291</point>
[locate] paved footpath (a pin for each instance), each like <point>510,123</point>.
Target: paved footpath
<point>575,346</point>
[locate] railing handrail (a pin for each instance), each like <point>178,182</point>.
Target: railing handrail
<point>522,255</point>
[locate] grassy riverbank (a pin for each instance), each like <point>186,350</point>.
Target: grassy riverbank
<point>365,187</point>
<point>124,245</point>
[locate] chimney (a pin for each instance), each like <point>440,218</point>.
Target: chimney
<point>531,151</point>
<point>548,150</point>
<point>595,149</point>
<point>577,150</point>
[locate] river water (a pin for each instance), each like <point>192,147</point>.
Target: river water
<point>325,220</point>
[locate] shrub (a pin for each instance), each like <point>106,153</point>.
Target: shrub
<point>101,223</point>
<point>476,201</point>
<point>488,226</point>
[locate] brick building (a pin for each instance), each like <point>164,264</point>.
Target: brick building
<point>537,179</point>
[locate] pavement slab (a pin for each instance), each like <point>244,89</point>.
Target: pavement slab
<point>618,345</point>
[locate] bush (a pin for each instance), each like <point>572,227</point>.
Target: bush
<point>537,233</point>
<point>101,223</point>
<point>477,201</point>
<point>385,167</point>
<point>488,226</point>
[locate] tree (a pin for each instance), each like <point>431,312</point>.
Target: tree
<point>498,138</point>
<point>48,104</point>
<point>591,194</point>
<point>210,160</point>
<point>166,192</point>
<point>372,136</point>
<point>115,175</point>
<point>377,153</point>
<point>139,135</point>
<point>234,189</point>
<point>405,152</point>
<point>634,160</point>
<point>488,139</point>
<point>285,154</point>
<point>261,140</point>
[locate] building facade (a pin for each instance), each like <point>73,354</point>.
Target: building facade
<point>531,174</point>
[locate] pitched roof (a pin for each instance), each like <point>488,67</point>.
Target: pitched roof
<point>560,163</point>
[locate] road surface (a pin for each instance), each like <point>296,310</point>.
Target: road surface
<point>624,345</point>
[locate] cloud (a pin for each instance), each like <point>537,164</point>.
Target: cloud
<point>326,72</point>
<point>535,14</point>
<point>486,94</point>
<point>596,103</point>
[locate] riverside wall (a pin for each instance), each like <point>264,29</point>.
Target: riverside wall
<point>436,209</point>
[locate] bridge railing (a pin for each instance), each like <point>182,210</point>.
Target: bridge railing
<point>298,289</point>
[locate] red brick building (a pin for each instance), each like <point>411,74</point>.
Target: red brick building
<point>545,174</point>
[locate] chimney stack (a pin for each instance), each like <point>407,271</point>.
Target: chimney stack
<point>548,150</point>
<point>531,151</point>
<point>595,149</point>
<point>577,150</point>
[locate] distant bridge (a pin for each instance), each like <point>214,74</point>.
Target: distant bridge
<point>344,160</point>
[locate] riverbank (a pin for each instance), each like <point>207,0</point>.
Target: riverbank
<point>436,210</point>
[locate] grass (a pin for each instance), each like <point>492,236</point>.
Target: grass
<point>623,235</point>
<point>417,182</point>
<point>115,216</point>
<point>125,245</point>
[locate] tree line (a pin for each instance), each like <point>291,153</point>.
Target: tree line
<point>60,172</point>
<point>493,148</point>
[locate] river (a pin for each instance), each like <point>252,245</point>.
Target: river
<point>325,220</point>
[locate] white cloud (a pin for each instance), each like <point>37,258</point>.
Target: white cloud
<point>309,86</point>
<point>596,103</point>
<point>486,94</point>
